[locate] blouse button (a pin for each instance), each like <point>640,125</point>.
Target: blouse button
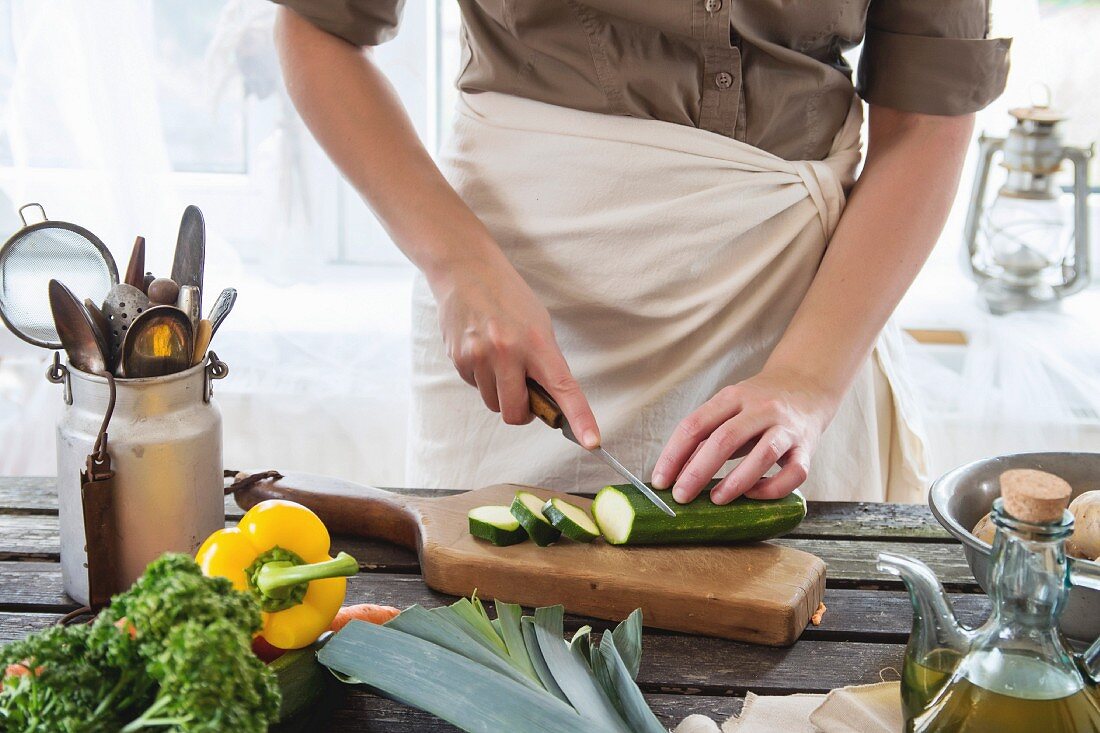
<point>713,6</point>
<point>723,80</point>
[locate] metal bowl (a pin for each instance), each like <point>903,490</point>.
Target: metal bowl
<point>963,496</point>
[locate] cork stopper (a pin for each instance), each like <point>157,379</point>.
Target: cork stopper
<point>1034,496</point>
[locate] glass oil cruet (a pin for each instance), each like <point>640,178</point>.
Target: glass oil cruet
<point>1014,673</point>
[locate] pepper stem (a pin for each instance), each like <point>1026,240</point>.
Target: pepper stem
<point>275,575</point>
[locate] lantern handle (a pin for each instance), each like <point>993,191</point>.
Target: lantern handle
<point>1047,97</point>
<point>1075,270</point>
<point>987,147</point>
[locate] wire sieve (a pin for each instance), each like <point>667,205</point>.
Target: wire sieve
<point>38,253</point>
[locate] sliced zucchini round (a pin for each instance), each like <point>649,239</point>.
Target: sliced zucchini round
<point>571,521</point>
<point>495,524</point>
<point>527,509</point>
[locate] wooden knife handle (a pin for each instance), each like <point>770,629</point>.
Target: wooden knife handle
<point>135,270</point>
<point>543,405</point>
<point>344,506</point>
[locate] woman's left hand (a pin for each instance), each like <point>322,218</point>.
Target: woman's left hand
<point>776,417</point>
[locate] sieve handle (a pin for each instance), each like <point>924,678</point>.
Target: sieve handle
<point>27,206</point>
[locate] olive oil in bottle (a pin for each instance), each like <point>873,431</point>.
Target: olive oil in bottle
<point>1029,697</point>
<point>1014,673</point>
<point>920,681</point>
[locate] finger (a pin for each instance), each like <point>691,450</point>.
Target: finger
<point>486,383</point>
<point>512,394</point>
<point>772,446</point>
<point>790,477</point>
<point>690,434</point>
<point>551,371</point>
<point>714,452</point>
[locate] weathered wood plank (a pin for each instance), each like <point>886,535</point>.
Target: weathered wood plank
<point>854,615</point>
<point>851,563</point>
<point>864,520</point>
<point>838,520</point>
<point>17,625</point>
<point>694,665</point>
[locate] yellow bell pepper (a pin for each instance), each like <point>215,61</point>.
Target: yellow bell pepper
<point>279,552</point>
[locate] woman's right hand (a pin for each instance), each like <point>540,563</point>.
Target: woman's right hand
<point>497,333</point>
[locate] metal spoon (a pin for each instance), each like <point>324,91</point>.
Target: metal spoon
<point>76,330</point>
<point>221,309</point>
<point>103,331</point>
<point>160,341</point>
<point>124,303</point>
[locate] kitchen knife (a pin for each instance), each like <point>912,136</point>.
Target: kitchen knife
<point>190,256</point>
<point>546,409</point>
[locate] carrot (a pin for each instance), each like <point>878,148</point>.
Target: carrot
<point>124,625</point>
<point>370,612</point>
<point>818,614</point>
<point>19,669</point>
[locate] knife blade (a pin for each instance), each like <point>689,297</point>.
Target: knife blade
<point>190,256</point>
<point>546,409</point>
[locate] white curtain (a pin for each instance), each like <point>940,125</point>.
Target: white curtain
<point>318,352</point>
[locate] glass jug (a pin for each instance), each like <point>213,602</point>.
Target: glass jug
<point>1014,673</point>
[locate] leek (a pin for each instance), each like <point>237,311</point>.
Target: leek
<point>513,673</point>
<point>627,695</point>
<point>547,679</point>
<point>573,674</point>
<point>448,685</point>
<point>628,642</point>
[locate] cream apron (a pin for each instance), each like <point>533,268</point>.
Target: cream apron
<point>671,260</point>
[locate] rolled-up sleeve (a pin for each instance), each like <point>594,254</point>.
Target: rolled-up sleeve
<point>931,56</point>
<point>359,22</point>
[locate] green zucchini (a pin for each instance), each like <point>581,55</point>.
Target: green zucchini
<point>571,521</point>
<point>626,517</point>
<point>495,524</point>
<point>302,679</point>
<point>527,509</point>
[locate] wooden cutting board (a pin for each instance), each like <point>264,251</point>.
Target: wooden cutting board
<point>757,592</point>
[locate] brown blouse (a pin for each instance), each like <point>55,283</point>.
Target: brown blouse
<point>766,72</point>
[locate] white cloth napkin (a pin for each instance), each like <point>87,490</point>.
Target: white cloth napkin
<point>862,709</point>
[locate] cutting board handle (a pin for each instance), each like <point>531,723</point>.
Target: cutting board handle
<point>344,506</point>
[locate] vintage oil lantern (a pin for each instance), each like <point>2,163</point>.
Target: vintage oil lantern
<point>1020,248</point>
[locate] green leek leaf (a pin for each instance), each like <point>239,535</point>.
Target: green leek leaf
<point>439,629</point>
<point>473,613</point>
<point>573,674</point>
<point>508,621</point>
<point>628,642</point>
<point>459,690</point>
<point>528,625</point>
<point>634,707</point>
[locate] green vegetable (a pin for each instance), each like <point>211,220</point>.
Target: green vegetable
<point>69,683</point>
<point>173,652</point>
<point>571,521</point>
<point>527,509</point>
<point>496,524</point>
<point>626,517</point>
<point>564,687</point>
<point>302,679</point>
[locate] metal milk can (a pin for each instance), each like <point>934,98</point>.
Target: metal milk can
<point>165,446</point>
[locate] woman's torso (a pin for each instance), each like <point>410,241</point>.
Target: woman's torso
<point>767,72</point>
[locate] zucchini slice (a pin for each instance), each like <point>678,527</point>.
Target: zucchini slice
<point>571,521</point>
<point>626,517</point>
<point>527,509</point>
<point>496,524</point>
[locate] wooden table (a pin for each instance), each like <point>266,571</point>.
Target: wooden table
<point>862,634</point>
